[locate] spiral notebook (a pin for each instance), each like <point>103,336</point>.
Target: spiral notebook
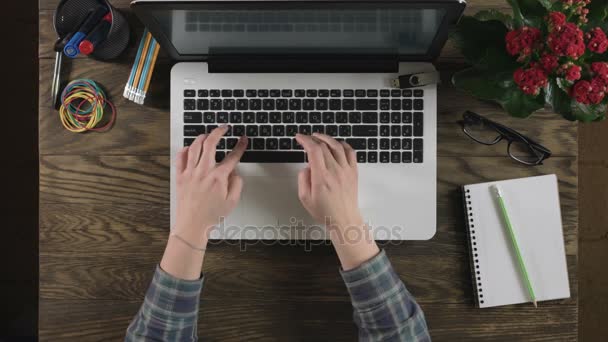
<point>534,211</point>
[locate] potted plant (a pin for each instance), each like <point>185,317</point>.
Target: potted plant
<point>549,53</point>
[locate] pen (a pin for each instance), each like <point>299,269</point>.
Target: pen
<point>520,260</point>
<point>71,48</point>
<point>97,35</point>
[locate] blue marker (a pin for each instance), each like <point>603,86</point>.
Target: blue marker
<point>71,48</point>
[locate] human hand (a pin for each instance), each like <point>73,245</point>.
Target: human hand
<point>206,190</point>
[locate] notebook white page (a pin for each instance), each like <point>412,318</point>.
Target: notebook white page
<point>533,208</point>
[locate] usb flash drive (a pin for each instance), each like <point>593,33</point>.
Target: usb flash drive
<point>416,80</point>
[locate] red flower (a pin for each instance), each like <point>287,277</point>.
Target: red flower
<point>597,41</point>
<point>556,20</point>
<point>522,40</point>
<point>601,70</point>
<point>599,90</point>
<point>531,80</point>
<point>549,62</point>
<point>573,73</point>
<point>589,92</point>
<point>568,41</point>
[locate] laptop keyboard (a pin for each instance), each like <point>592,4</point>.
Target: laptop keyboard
<point>382,125</point>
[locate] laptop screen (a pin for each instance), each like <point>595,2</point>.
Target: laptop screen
<point>394,29</point>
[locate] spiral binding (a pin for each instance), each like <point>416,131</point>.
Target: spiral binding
<point>473,246</point>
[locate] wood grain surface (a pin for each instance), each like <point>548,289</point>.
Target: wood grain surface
<point>104,220</point>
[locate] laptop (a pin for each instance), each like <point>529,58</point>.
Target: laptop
<point>271,69</point>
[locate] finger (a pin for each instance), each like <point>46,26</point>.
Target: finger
<point>337,149</point>
<point>209,147</point>
<point>304,184</point>
<point>181,160</point>
<point>314,150</point>
<point>330,161</point>
<point>235,187</point>
<point>194,151</point>
<point>233,158</point>
<point>351,156</point>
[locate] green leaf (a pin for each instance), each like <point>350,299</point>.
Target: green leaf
<point>588,113</point>
<point>487,15</point>
<point>527,12</point>
<point>558,98</point>
<point>498,87</point>
<point>564,84</point>
<point>487,50</point>
<point>547,4</point>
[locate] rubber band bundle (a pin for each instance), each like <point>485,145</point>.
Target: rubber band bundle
<point>143,67</point>
<point>83,105</point>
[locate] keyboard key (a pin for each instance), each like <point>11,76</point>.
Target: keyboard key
<point>406,130</point>
<point>396,131</point>
<point>268,104</point>
<point>407,104</point>
<point>360,93</point>
<point>209,117</point>
<point>384,157</point>
<point>295,145</point>
<point>300,93</point>
<point>341,117</point>
<point>285,144</point>
<point>344,130</point>
<point>305,129</point>
<point>308,104</point>
<point>291,130</point>
<point>238,93</point>
<point>226,93</point>
<point>417,144</point>
<point>385,144</point>
<point>288,117</point>
<point>335,93</point>
<point>188,141</point>
<point>329,117</point>
<point>215,104</point>
<point>406,157</point>
<point>203,93</point>
<point>372,144</point>
<point>282,104</point>
<point>417,157</point>
<point>335,104</point>
<point>348,93</point>
<point>418,124</point>
<point>272,144</point>
<point>395,104</point>
<point>249,117</point>
<point>265,130</point>
<point>314,117</point>
<point>275,117</point>
<point>258,144</point>
<point>231,143</point>
<point>214,93</point>
<point>357,143</point>
<point>418,93</point>
<point>311,93</point>
<point>318,129</point>
<point>406,117</point>
<point>321,104</point>
<point>385,104</point>
<point>407,93</point>
<point>275,93</point>
<point>395,117</point>
<point>219,156</point>
<point>193,131</point>
<point>236,117</point>
<point>251,93</point>
<point>395,157</point>
<point>295,104</point>
<point>370,117</point>
<point>286,93</point>
<point>367,104</point>
<point>372,93</point>
<point>222,117</point>
<point>372,157</point>
<point>189,93</point>
<point>396,93</point>
<point>202,104</point>
<point>302,117</point>
<point>255,104</point>
<point>395,144</point>
<point>385,93</point>
<point>418,104</point>
<point>348,104</point>
<point>189,104</point>
<point>273,157</point>
<point>261,117</point>
<point>242,104</point>
<point>385,117</point>
<point>251,131</point>
<point>262,92</point>
<point>365,131</point>
<point>278,130</point>
<point>406,144</point>
<point>331,130</point>
<point>193,117</point>
<point>238,130</point>
<point>323,93</point>
<point>222,144</point>
<point>354,117</point>
<point>361,157</point>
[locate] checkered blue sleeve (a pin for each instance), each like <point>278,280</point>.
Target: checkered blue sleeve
<point>384,310</point>
<point>169,311</point>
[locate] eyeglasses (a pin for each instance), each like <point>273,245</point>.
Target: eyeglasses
<point>488,132</point>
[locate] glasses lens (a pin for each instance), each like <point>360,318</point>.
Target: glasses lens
<point>481,132</point>
<point>524,153</point>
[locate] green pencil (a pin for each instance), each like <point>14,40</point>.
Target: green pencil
<point>520,260</point>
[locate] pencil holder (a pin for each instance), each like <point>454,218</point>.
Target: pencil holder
<point>71,13</point>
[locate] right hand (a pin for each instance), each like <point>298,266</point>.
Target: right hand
<point>327,188</point>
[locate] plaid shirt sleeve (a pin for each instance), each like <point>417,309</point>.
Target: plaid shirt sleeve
<point>169,311</point>
<point>383,308</point>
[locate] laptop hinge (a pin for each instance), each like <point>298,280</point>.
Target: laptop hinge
<point>307,64</point>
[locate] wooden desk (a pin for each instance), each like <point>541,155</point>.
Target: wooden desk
<point>104,217</point>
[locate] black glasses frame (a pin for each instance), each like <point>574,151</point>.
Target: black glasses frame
<point>506,133</point>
